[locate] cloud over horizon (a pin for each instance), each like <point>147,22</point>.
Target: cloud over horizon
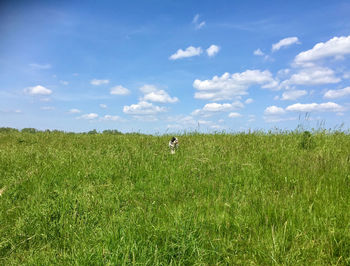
<point>229,85</point>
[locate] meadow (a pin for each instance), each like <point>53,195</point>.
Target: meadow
<point>278,198</point>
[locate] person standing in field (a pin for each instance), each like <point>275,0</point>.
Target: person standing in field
<point>173,144</point>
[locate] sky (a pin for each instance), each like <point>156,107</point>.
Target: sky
<point>162,66</point>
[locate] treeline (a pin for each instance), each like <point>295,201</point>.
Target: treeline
<point>34,130</point>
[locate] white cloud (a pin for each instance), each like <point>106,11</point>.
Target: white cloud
<point>90,116</point>
<point>189,52</point>
<point>64,82</point>
<point>285,42</point>
<point>217,107</point>
<point>198,25</point>
<point>234,115</point>
<point>335,47</point>
<point>153,94</point>
<point>258,52</point>
<point>293,95</point>
<point>98,82</point>
<point>213,50</point>
<point>143,108</point>
<point>274,110</point>
<point>211,108</point>
<point>74,111</point>
<point>315,107</point>
<point>333,94</point>
<point>111,118</point>
<point>40,66</point>
<point>38,90</point>
<point>160,96</point>
<point>119,90</point>
<point>148,88</point>
<point>312,76</point>
<point>195,19</point>
<point>248,101</point>
<point>102,105</point>
<point>229,86</point>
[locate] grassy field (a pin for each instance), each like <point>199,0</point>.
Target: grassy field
<point>249,199</point>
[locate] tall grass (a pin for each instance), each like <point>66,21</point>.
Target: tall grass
<point>252,198</point>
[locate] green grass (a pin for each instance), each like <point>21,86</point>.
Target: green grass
<point>102,199</point>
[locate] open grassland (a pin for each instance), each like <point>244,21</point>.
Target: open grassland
<point>250,199</point>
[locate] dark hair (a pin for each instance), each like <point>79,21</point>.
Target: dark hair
<point>173,139</point>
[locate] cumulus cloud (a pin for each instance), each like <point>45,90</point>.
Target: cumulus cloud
<point>217,107</point>
<point>213,50</point>
<point>143,108</point>
<point>274,110</point>
<point>333,94</point>
<point>119,90</point>
<point>74,111</point>
<point>148,88</point>
<point>189,52</point>
<point>335,47</point>
<point>234,115</point>
<point>284,43</point>
<point>312,76</point>
<point>229,86</point>
<point>38,90</point>
<point>98,82</point>
<point>211,108</point>
<point>293,95</point>
<point>197,24</point>
<point>315,107</point>
<point>258,52</point>
<point>153,94</point>
<point>90,116</point>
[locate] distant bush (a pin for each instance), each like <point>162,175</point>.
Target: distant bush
<point>307,142</point>
<point>57,131</point>
<point>7,130</point>
<point>29,130</point>
<point>91,132</point>
<point>112,132</point>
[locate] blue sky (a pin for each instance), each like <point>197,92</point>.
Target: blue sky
<point>168,66</point>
